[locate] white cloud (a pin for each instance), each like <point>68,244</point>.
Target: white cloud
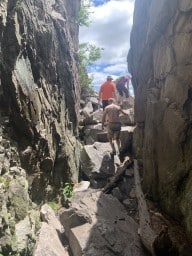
<point>110,29</point>
<point>117,68</point>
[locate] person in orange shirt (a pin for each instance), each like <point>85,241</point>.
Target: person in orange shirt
<point>107,90</point>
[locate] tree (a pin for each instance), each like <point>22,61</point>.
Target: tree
<point>84,13</point>
<point>88,54</point>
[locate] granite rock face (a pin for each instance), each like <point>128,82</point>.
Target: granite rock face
<point>160,61</point>
<point>39,90</point>
<point>39,99</point>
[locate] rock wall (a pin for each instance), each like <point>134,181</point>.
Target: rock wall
<point>39,106</point>
<point>39,87</point>
<point>160,61</point>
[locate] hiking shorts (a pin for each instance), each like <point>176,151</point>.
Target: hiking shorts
<point>114,130</point>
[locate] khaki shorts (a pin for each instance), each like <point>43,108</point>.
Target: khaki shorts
<point>114,130</point>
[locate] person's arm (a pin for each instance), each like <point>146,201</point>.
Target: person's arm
<point>124,113</point>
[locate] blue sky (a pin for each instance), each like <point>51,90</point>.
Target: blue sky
<point>100,2</point>
<point>111,22</point>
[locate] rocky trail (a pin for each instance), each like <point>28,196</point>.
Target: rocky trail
<point>110,221</point>
<point>103,216</point>
<point>99,221</point>
<point>109,215</point>
<point>46,140</point>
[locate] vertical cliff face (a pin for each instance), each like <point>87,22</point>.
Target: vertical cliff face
<point>160,61</point>
<point>39,90</point>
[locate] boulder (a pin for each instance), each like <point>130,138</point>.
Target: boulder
<point>49,242</point>
<point>105,229</point>
<point>87,110</point>
<point>94,101</point>
<point>97,162</point>
<point>129,118</point>
<point>91,133</point>
<point>81,186</point>
<point>128,103</point>
<point>97,115</point>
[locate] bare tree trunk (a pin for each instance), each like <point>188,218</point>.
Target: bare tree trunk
<point>117,176</point>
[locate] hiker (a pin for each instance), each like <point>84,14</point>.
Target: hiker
<point>107,90</point>
<point>122,87</point>
<point>111,114</point>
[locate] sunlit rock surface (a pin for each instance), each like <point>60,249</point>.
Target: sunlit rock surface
<point>98,224</point>
<point>160,63</point>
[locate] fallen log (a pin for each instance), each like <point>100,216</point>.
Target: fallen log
<point>146,233</point>
<point>120,171</point>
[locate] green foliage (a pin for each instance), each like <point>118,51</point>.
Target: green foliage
<point>88,54</point>
<point>68,191</point>
<point>85,80</point>
<point>54,205</point>
<point>4,181</point>
<point>84,14</point>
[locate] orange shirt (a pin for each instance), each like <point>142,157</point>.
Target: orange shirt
<point>107,90</point>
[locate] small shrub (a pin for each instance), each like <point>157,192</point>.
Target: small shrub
<point>54,205</point>
<point>68,191</point>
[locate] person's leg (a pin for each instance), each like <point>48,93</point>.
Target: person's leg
<point>105,104</point>
<point>125,90</point>
<point>112,146</point>
<point>117,138</point>
<point>118,98</point>
<point>120,92</point>
<point>110,136</point>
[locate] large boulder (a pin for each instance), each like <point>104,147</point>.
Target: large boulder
<point>51,235</point>
<point>19,218</point>
<point>97,224</point>
<point>127,119</point>
<point>91,133</point>
<point>97,163</point>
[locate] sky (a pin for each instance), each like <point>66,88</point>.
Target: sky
<point>111,22</point>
